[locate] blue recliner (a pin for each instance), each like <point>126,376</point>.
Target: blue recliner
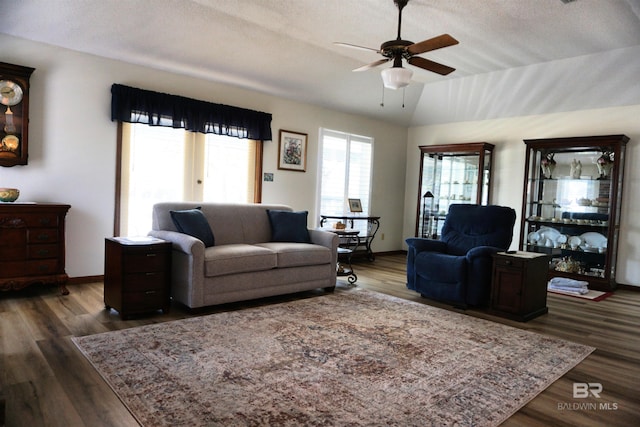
<point>457,268</point>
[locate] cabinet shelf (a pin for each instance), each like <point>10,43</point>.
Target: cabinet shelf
<point>570,208</point>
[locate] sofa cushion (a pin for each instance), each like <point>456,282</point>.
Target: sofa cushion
<point>194,223</point>
<point>298,254</point>
<point>288,226</point>
<point>237,258</point>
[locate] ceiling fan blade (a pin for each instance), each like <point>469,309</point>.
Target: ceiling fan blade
<point>430,65</point>
<point>355,46</point>
<point>435,43</point>
<point>373,64</point>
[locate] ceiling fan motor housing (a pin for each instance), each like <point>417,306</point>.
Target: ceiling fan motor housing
<point>395,48</point>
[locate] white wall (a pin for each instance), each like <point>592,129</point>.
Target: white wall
<point>72,144</point>
<point>509,156</point>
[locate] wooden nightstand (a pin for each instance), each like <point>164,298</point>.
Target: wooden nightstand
<point>519,285</point>
<point>137,276</point>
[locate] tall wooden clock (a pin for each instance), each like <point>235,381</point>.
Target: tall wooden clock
<point>14,114</point>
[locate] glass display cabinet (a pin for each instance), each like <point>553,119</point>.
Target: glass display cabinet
<point>452,173</point>
<point>571,205</point>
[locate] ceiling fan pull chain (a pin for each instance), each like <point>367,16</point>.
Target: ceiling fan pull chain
<point>403,92</point>
<point>382,103</point>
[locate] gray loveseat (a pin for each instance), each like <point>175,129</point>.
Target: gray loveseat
<point>241,261</point>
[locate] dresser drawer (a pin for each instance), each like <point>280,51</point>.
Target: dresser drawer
<point>42,251</point>
<point>13,244</point>
<point>28,268</point>
<point>144,262</point>
<point>140,282</point>
<point>40,220</point>
<point>42,235</point>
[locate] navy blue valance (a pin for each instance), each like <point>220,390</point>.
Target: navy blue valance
<point>132,105</point>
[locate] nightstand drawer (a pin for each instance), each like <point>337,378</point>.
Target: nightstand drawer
<point>146,281</point>
<point>509,262</point>
<point>139,262</point>
<point>144,301</point>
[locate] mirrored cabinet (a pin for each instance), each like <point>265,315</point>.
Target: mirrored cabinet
<point>571,205</point>
<point>452,173</point>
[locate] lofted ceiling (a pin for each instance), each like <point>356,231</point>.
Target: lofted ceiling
<point>286,47</point>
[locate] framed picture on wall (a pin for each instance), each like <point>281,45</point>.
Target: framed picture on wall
<point>292,151</point>
<point>355,205</point>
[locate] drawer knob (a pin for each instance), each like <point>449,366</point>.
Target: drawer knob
<point>508,262</point>
<point>151,255</point>
<point>43,252</point>
<point>43,236</point>
<point>150,292</point>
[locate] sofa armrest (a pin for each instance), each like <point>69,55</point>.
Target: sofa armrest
<point>324,238</point>
<point>182,242</point>
<point>328,240</point>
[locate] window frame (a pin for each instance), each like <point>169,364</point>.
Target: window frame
<point>258,165</point>
<point>349,137</point>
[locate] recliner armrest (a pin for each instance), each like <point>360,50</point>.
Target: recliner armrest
<point>429,245</point>
<point>482,251</point>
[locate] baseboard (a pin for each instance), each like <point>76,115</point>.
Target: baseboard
<point>628,287</point>
<point>398,252</point>
<point>85,279</point>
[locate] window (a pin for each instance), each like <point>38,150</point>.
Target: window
<point>345,172</point>
<point>166,164</point>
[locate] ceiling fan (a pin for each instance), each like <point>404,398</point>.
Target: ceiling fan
<point>399,49</point>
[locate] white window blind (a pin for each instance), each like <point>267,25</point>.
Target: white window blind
<point>345,172</point>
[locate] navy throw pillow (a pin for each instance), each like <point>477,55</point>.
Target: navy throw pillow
<point>194,223</point>
<point>289,226</point>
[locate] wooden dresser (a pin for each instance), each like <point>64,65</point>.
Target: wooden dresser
<point>32,245</point>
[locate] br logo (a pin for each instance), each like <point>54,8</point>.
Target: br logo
<point>582,390</point>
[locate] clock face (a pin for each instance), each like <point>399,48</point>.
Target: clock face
<point>10,93</point>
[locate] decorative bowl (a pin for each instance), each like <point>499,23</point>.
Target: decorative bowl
<point>9,194</point>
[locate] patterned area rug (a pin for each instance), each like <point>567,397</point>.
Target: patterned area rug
<point>354,358</point>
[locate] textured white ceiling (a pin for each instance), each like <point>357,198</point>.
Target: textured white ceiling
<point>286,47</point>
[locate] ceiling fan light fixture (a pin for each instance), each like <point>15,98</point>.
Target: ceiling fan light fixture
<point>396,77</point>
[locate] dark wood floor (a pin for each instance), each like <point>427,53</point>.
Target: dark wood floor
<point>47,382</point>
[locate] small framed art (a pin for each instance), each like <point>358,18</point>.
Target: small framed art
<point>292,151</point>
<point>355,205</point>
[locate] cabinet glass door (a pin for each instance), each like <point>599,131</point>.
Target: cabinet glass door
<point>571,206</point>
<point>455,173</point>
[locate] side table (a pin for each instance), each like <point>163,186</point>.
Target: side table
<point>137,277</point>
<point>349,241</point>
<point>373,224</point>
<point>519,285</point>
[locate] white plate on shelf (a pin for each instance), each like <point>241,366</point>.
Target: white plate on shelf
<point>593,239</point>
<point>548,233</point>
